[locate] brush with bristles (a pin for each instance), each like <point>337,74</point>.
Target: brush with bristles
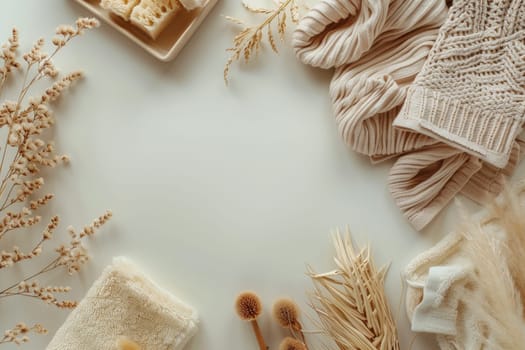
<point>249,308</point>
<point>286,313</point>
<point>290,343</point>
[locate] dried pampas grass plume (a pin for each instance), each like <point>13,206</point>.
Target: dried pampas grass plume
<point>508,213</point>
<point>290,343</point>
<point>249,307</point>
<point>496,307</point>
<point>351,303</point>
<point>495,246</point>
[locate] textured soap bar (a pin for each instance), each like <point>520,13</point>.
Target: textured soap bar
<point>123,302</point>
<point>152,16</point>
<point>121,8</point>
<point>192,4</point>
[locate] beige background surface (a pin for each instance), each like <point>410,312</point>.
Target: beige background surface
<point>214,190</point>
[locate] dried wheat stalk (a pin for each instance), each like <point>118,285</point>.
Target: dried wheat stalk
<point>23,154</point>
<point>351,303</point>
<point>248,42</point>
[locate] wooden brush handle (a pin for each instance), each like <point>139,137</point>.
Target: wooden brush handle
<point>258,335</point>
<point>297,327</point>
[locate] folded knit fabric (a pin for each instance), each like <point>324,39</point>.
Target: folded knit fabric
<point>489,181</point>
<point>463,289</point>
<point>423,182</point>
<point>471,91</point>
<point>377,48</point>
<point>422,185</point>
<point>124,303</point>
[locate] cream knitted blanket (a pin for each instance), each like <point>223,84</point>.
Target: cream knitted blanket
<point>123,302</point>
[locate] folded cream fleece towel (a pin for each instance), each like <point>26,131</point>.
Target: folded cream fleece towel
<point>125,303</point>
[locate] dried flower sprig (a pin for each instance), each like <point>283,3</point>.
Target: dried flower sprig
<point>71,257</point>
<point>248,41</point>
<point>22,157</point>
<point>350,301</point>
<point>249,308</point>
<point>8,56</point>
<point>19,334</point>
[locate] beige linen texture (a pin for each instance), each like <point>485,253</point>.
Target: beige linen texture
<point>123,302</point>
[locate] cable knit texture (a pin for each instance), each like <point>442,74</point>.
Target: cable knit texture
<point>471,91</point>
<point>123,302</point>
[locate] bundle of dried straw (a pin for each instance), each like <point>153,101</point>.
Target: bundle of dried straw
<point>350,301</point>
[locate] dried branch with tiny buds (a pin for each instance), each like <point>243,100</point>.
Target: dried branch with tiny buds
<point>23,155</point>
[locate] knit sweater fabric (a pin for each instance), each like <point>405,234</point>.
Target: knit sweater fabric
<point>471,91</point>
<point>377,48</point>
<point>424,182</point>
<point>123,302</point>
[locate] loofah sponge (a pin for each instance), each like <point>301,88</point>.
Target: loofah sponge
<point>121,8</point>
<point>125,304</point>
<point>152,16</point>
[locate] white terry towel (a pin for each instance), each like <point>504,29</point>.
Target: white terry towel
<point>123,302</point>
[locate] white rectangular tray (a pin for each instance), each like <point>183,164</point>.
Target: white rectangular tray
<point>170,41</point>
